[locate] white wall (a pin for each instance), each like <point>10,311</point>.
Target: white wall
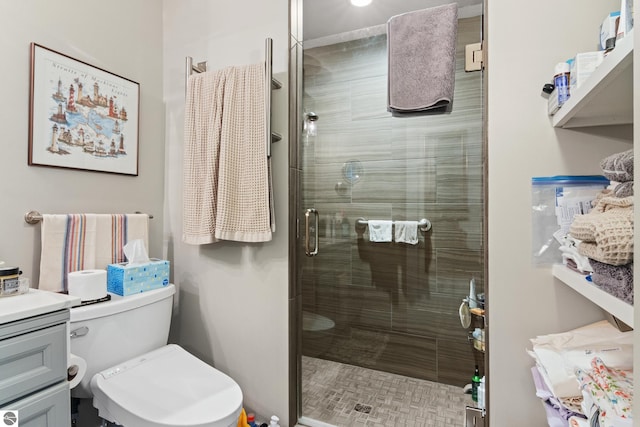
<point>525,41</point>
<point>233,298</point>
<point>105,37</point>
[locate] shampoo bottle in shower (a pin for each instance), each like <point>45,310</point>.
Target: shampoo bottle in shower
<point>475,382</point>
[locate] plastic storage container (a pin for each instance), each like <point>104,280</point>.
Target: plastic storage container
<point>555,200</point>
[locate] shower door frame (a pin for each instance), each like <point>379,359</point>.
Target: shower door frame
<point>296,211</point>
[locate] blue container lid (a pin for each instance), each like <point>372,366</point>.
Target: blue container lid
<point>569,180</point>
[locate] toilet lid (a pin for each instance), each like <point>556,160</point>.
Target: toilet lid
<point>167,387</point>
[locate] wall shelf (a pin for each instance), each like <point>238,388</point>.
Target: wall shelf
<point>607,302</point>
<point>605,97</point>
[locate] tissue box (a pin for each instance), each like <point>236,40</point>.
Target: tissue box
<point>123,279</point>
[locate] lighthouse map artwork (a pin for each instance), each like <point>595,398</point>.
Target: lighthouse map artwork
<point>82,117</point>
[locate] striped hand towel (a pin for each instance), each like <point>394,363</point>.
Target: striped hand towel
<point>68,244</point>
<point>73,242</point>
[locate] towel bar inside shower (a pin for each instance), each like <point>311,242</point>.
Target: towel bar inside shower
<point>270,84</point>
<point>362,223</point>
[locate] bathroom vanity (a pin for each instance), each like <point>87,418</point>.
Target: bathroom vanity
<point>33,357</point>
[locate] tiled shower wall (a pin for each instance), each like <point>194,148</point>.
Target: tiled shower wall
<point>395,307</point>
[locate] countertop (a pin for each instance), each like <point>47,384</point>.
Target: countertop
<point>33,303</point>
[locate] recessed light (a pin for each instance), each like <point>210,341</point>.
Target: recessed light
<point>361,3</point>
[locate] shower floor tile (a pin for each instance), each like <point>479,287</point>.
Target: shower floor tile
<point>346,395</point>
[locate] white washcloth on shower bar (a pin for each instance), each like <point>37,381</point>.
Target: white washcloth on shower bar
<point>406,232</point>
<point>380,231</point>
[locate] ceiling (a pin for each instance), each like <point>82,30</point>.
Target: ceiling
<point>328,17</point>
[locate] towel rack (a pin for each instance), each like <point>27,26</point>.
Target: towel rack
<point>361,224</point>
<point>270,84</point>
<point>34,217</point>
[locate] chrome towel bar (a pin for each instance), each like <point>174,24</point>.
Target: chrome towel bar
<point>34,217</point>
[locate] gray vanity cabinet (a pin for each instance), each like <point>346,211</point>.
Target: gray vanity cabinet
<point>33,370</point>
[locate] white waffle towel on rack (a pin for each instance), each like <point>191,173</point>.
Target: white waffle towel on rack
<point>380,231</point>
<point>243,212</point>
<point>226,186</point>
<point>202,127</point>
<point>406,232</point>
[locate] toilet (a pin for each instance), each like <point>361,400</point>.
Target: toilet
<point>135,378</point>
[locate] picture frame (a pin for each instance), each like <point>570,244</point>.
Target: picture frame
<point>81,116</point>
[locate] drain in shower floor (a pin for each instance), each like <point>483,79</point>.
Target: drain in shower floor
<point>365,409</point>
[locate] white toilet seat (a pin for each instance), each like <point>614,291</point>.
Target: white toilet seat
<point>167,387</point>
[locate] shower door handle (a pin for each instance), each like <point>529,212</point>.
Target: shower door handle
<point>307,232</point>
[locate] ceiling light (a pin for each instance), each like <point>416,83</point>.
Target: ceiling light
<point>361,3</point>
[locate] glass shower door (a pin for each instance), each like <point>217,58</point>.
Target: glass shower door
<point>385,306</point>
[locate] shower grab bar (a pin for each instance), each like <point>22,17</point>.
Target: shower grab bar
<point>34,217</point>
<point>270,84</point>
<point>362,223</point>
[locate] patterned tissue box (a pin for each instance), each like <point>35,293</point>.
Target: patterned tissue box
<point>124,280</point>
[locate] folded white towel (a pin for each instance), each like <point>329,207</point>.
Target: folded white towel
<point>558,355</point>
<point>406,232</point>
<point>380,231</point>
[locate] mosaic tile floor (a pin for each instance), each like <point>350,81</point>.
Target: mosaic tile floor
<point>346,395</point>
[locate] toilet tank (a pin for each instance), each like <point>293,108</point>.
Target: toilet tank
<point>111,332</point>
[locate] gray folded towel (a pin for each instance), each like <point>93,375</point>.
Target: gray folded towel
<point>618,167</point>
<point>624,189</point>
<point>421,49</point>
<point>615,280</point>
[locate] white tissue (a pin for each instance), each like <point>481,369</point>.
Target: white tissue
<point>135,252</point>
<point>76,369</point>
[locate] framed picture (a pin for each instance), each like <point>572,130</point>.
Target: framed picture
<point>81,117</point>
